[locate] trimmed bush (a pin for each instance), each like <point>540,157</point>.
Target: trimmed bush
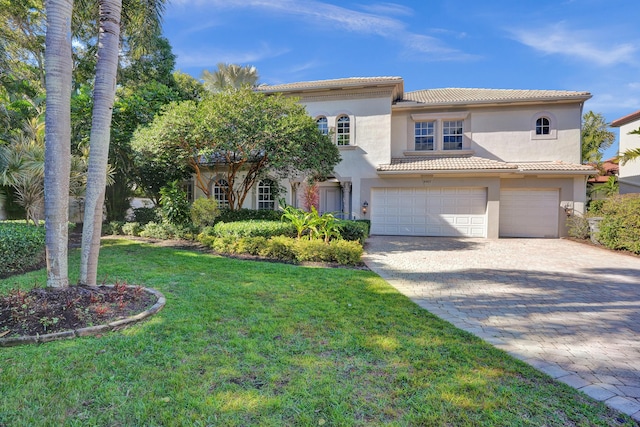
<point>227,215</point>
<point>287,249</point>
<point>253,228</point>
<point>145,215</point>
<point>280,247</point>
<point>620,226</point>
<point>21,247</point>
<point>131,229</point>
<point>204,212</point>
<point>354,230</point>
<point>165,230</point>
<point>346,253</point>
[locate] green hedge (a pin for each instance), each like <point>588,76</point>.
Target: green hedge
<point>227,215</point>
<point>287,249</point>
<point>354,230</point>
<point>620,226</point>
<point>21,247</point>
<point>252,228</point>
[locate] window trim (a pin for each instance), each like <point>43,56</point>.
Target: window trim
<point>553,126</point>
<point>271,199</point>
<point>431,135</point>
<point>217,191</point>
<point>438,119</point>
<point>339,133</point>
<point>325,129</point>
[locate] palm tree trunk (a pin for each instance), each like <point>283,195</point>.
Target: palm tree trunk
<point>103,97</point>
<point>57,139</point>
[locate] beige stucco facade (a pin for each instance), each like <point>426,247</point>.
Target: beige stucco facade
<point>500,154</point>
<point>629,173</point>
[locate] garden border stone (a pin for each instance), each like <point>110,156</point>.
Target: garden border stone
<point>90,330</point>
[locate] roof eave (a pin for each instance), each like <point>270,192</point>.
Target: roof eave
<point>514,102</point>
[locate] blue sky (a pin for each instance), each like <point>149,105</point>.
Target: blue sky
<point>590,45</point>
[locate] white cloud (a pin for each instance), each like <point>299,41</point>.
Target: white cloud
<point>208,59</point>
<point>376,20</point>
<point>584,45</point>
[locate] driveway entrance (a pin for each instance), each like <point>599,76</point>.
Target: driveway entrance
<point>569,309</point>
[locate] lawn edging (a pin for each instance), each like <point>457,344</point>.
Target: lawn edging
<point>90,330</point>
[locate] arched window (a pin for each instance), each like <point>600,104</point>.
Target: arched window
<point>323,125</point>
<point>220,189</point>
<point>543,126</point>
<point>343,131</point>
<point>266,195</point>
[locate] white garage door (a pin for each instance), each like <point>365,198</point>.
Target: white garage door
<point>529,213</point>
<point>429,211</point>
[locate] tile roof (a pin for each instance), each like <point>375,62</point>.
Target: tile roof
<point>626,119</point>
<point>473,163</point>
<point>472,96</point>
<point>443,163</point>
<point>331,84</point>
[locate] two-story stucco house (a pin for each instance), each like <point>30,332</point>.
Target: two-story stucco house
<point>446,162</point>
<point>629,173</point>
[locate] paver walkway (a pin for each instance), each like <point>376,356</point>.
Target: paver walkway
<point>569,309</point>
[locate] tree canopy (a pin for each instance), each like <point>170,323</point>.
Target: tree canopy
<point>230,76</point>
<point>241,136</point>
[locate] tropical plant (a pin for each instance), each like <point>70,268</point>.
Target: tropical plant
<point>229,76</point>
<point>631,154</point>
<point>174,204</point>
<point>596,137</point>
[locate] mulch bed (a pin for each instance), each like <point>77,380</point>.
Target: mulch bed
<point>47,310</point>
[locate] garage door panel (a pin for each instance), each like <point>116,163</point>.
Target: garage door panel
<point>429,211</point>
<point>529,212</point>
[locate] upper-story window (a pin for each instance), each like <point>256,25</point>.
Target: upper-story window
<point>452,134</point>
<point>343,130</point>
<point>543,126</point>
<point>424,136</point>
<point>220,189</point>
<point>266,195</point>
<point>323,125</point>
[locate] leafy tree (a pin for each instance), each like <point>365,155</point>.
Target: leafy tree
<point>241,136</point>
<point>230,76</point>
<point>596,137</point>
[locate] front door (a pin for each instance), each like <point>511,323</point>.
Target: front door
<point>330,200</point>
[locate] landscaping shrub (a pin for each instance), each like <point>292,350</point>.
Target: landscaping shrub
<point>145,215</point>
<point>227,215</point>
<point>287,249</point>
<point>112,228</point>
<point>357,230</point>
<point>578,227</point>
<point>280,247</point>
<point>165,230</point>
<point>595,207</point>
<point>345,252</point>
<point>204,212</point>
<point>174,204</point>
<point>312,250</point>
<point>253,228</point>
<point>620,226</point>
<point>21,247</point>
<point>131,229</point>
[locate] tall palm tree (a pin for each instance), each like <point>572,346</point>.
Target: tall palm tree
<point>58,67</point>
<point>230,76</point>
<point>141,15</point>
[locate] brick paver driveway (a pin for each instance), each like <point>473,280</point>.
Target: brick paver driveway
<point>567,308</point>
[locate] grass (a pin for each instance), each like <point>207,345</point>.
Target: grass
<point>249,343</point>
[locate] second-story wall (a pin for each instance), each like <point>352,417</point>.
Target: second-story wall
<point>499,133</point>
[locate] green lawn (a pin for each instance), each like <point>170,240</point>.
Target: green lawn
<point>255,343</point>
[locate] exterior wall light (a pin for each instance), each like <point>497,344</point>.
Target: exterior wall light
<point>365,205</point>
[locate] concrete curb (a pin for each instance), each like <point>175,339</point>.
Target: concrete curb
<point>90,330</point>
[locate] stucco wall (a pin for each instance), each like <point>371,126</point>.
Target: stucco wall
<point>629,174</point>
<point>504,134</point>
